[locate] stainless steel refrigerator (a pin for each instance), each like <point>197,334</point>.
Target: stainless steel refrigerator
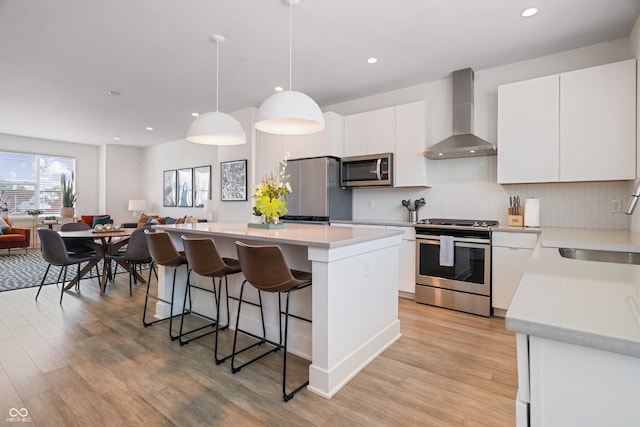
<point>316,194</point>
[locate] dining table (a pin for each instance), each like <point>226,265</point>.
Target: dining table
<point>107,240</point>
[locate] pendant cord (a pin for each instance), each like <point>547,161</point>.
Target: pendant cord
<point>290,41</point>
<point>217,71</point>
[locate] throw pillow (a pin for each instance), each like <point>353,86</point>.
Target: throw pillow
<point>101,220</point>
<point>3,225</point>
<point>143,219</point>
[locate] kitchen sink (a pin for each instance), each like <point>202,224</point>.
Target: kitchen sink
<point>602,256</point>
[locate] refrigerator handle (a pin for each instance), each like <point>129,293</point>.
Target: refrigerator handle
<point>379,169</point>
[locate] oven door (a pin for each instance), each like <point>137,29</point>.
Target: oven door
<point>471,271</point>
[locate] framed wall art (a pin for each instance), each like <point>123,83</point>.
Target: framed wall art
<point>233,180</point>
<point>201,185</point>
<point>169,188</point>
<point>185,187</point>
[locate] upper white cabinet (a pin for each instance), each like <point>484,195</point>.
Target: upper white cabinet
<point>576,126</point>
<point>370,132</point>
<point>598,123</point>
<point>528,131</point>
<point>271,148</point>
<point>410,140</point>
<point>400,130</point>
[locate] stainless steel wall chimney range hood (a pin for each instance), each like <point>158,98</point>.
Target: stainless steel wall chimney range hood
<point>463,143</point>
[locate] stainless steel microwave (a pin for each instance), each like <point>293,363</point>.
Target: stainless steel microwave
<point>374,170</point>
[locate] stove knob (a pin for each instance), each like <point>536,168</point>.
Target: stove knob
<point>476,224</point>
<point>484,224</point>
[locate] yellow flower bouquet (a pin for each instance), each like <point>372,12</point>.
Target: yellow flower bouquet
<point>271,194</point>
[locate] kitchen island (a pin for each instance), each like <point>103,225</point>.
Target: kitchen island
<point>577,328</point>
<point>353,302</point>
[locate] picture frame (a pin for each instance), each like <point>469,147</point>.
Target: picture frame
<point>185,188</point>
<point>169,188</point>
<point>233,180</point>
<point>201,185</point>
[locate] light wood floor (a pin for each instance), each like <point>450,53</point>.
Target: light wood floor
<point>90,362</point>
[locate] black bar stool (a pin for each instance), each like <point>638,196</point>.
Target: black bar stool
<point>164,253</point>
<point>266,269</point>
<point>205,260</point>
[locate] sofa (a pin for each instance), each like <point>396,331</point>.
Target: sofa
<point>14,237</point>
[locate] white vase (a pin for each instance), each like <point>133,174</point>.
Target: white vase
<point>255,219</point>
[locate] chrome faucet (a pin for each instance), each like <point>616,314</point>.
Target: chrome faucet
<point>633,201</point>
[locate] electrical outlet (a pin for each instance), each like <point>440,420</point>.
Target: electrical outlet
<point>371,204</point>
<point>615,206</point>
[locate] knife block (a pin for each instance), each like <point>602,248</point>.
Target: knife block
<point>516,220</point>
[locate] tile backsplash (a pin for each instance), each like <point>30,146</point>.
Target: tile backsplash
<point>466,188</point>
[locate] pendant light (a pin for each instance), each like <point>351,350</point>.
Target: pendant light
<point>289,112</point>
<point>215,128</point>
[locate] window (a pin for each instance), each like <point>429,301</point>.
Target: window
<point>31,181</point>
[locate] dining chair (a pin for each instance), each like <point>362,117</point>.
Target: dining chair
<point>55,253</point>
<point>163,253</point>
<point>78,245</point>
<point>266,269</point>
<point>135,254</point>
<point>205,260</point>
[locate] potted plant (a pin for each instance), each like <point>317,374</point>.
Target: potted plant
<point>68,196</point>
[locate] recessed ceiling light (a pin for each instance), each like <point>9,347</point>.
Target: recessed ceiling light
<point>529,12</point>
<point>114,93</point>
<point>116,138</point>
<point>195,114</point>
<point>149,128</point>
<point>472,151</point>
<point>440,154</point>
<point>372,60</point>
<point>278,88</point>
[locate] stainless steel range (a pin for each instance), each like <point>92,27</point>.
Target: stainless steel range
<point>453,264</point>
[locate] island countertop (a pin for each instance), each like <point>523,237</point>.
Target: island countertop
<point>589,303</point>
<point>311,235</point>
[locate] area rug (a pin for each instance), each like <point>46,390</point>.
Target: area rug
<point>19,271</point>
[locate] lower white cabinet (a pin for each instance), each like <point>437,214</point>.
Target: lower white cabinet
<point>574,385</point>
<point>407,273</point>
<point>511,252</point>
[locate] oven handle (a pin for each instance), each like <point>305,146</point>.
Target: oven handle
<point>458,241</point>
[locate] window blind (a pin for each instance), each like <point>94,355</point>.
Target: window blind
<point>32,181</point>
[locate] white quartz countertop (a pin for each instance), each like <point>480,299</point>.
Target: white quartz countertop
<point>377,222</point>
<point>314,235</point>
<point>589,303</point>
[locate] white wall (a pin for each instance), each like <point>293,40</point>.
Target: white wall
<point>467,188</point>
<point>184,154</point>
<point>87,164</point>
<point>124,180</point>
<point>634,42</point>
<point>240,210</point>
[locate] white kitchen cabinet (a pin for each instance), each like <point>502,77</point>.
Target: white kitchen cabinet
<point>511,252</point>
<point>410,140</point>
<point>370,132</point>
<point>571,385</point>
<point>528,131</point>
<point>598,123</point>
<point>407,272</point>
<point>575,126</point>
<point>271,148</point>
<point>329,142</point>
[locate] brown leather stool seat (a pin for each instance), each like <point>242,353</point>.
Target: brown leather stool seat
<point>205,260</point>
<point>266,269</point>
<point>163,253</point>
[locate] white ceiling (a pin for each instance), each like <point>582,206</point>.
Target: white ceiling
<point>59,58</point>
